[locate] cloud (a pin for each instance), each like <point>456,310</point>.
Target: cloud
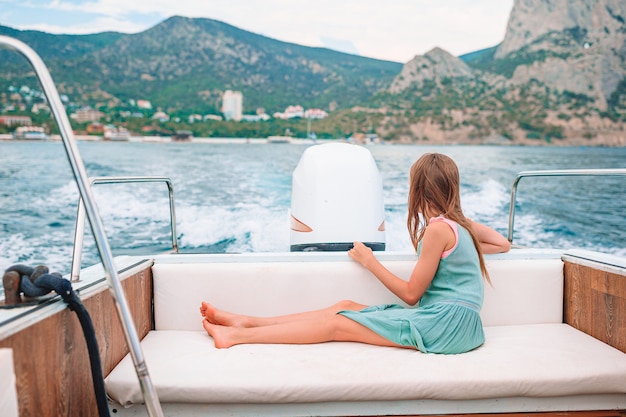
<point>394,30</point>
<point>101,24</point>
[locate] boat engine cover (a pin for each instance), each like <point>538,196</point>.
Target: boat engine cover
<point>336,199</point>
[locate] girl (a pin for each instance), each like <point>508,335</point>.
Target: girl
<point>446,281</point>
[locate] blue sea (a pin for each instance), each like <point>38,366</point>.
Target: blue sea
<point>236,197</point>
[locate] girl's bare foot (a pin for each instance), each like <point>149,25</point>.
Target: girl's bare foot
<point>220,334</point>
<point>223,318</point>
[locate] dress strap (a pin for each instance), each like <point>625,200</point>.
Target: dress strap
<point>455,229</point>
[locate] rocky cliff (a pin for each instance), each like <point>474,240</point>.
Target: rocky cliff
<point>570,45</point>
<point>435,65</point>
<point>559,76</point>
<point>595,21</point>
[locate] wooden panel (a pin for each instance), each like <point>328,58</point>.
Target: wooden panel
<point>595,303</point>
<point>51,360</point>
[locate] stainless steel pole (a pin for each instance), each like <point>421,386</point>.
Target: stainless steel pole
<point>78,168</point>
<point>554,173</point>
<point>80,217</point>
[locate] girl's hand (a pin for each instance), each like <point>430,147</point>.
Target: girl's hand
<point>362,254</point>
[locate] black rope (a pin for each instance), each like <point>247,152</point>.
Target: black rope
<point>36,282</point>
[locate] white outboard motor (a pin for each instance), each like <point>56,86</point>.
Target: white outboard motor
<point>336,199</point>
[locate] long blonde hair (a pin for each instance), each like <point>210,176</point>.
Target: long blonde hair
<point>435,186</point>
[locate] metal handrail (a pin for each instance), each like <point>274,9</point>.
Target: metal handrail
<point>153,405</point>
<point>554,173</point>
<point>80,217</point>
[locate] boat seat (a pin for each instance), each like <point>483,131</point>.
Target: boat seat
<point>549,361</point>
<point>284,287</point>
<point>530,357</point>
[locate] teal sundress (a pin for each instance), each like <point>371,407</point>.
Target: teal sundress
<point>447,317</point>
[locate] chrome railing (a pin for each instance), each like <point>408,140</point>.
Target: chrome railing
<point>554,173</point>
<point>79,233</point>
<point>153,405</point>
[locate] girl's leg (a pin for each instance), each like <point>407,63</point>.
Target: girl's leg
<point>307,331</point>
<point>224,318</point>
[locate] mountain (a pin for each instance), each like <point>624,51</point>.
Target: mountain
<point>185,63</point>
<point>436,65</point>
<point>558,76</point>
<point>577,46</point>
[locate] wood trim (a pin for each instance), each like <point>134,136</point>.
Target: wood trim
<point>51,360</point>
<point>595,303</point>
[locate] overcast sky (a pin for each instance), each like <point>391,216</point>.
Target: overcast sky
<point>394,30</point>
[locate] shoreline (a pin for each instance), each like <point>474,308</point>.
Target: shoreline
<point>302,141</point>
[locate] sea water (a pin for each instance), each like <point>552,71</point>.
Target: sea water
<point>236,197</point>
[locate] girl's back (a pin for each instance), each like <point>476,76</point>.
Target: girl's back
<point>458,276</point>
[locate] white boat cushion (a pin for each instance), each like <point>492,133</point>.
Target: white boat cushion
<point>544,360</point>
<point>523,292</point>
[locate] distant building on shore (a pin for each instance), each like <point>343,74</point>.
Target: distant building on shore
<point>95,128</point>
<point>291,112</point>
<point>232,105</point>
<point>255,117</point>
<point>15,120</point>
<point>182,135</point>
<point>30,133</point>
<point>37,107</point>
<point>161,116</point>
<point>116,133</point>
<point>144,104</point>
<point>315,114</point>
<point>87,114</point>
<point>297,111</point>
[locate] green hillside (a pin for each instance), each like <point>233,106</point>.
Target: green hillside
<point>186,63</point>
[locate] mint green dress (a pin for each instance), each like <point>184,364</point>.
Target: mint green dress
<point>447,317</point>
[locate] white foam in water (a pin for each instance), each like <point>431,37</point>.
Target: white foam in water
<point>65,193</point>
<point>124,201</point>
<point>489,201</point>
<point>396,233</point>
<point>395,193</point>
<point>488,205</point>
<point>246,228</point>
<point>236,199</point>
<point>51,250</point>
<point>11,249</point>
<point>528,231</point>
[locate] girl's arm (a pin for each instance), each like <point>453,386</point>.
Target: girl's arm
<point>438,237</point>
<point>490,240</point>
